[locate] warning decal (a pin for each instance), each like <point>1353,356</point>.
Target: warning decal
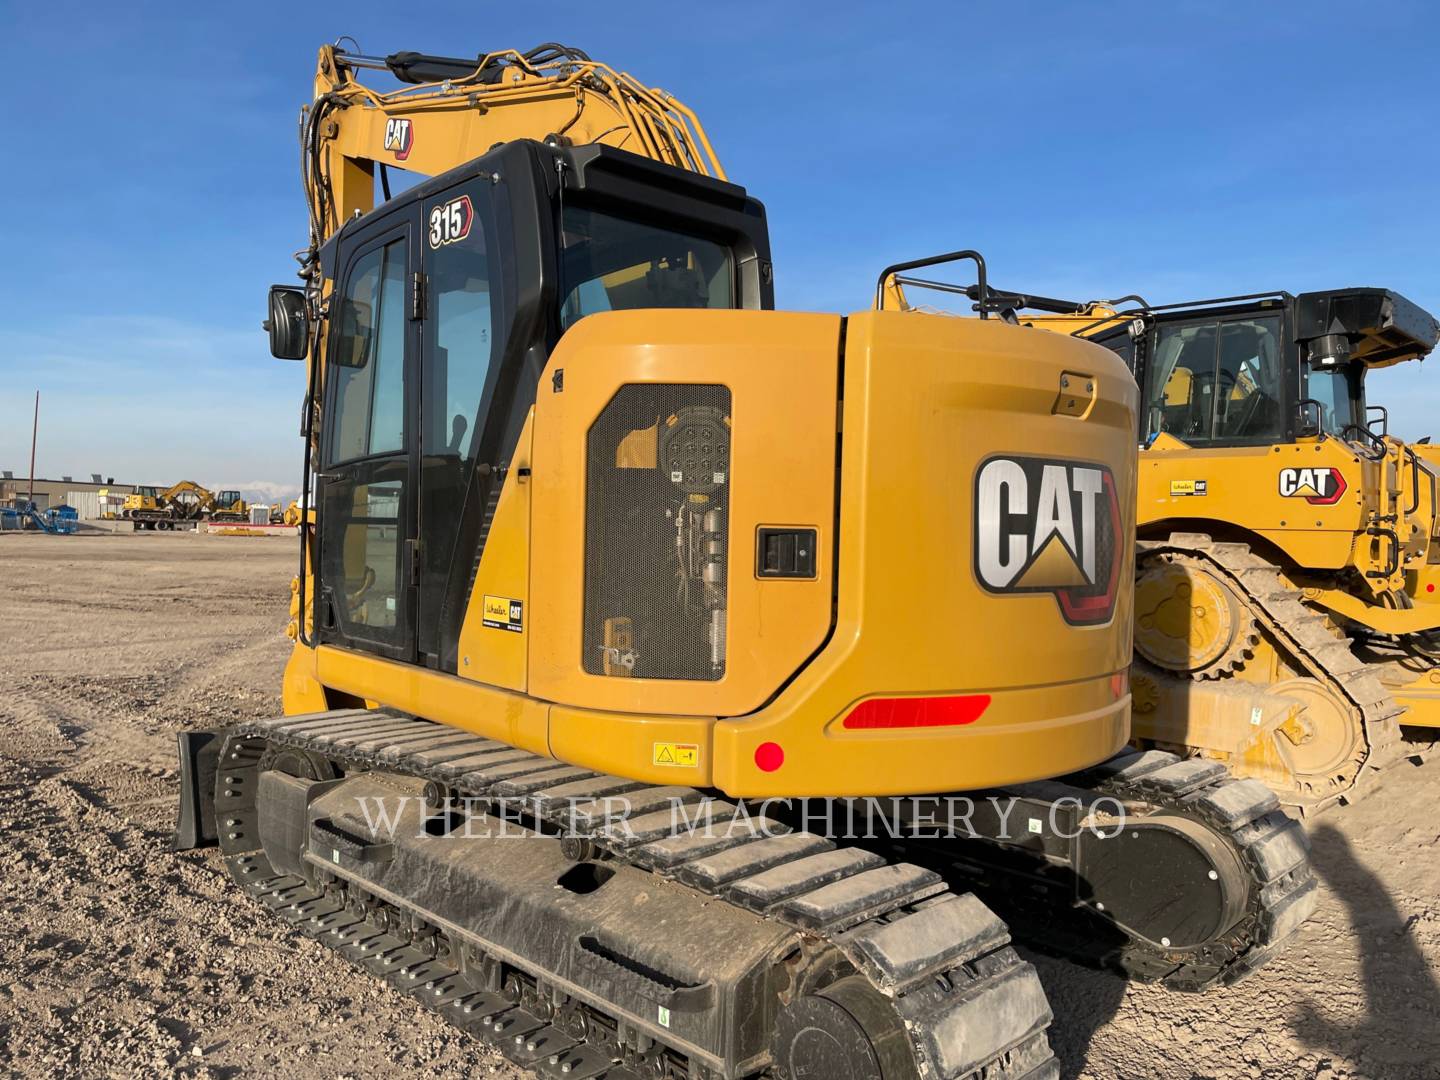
<point>680,754</point>
<point>502,613</point>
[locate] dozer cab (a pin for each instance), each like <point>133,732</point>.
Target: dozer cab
<point>1286,614</point>
<point>228,506</point>
<point>652,620</point>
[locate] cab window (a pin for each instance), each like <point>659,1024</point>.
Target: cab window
<point>1215,383</point>
<point>369,359</point>
<point>1334,389</point>
<point>610,264</point>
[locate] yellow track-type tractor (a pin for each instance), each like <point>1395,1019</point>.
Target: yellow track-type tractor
<point>641,624</point>
<point>1287,622</point>
<point>228,506</point>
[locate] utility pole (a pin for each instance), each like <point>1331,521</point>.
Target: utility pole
<point>34,431</point>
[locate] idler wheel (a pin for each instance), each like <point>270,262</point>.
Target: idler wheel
<point>846,1031</point>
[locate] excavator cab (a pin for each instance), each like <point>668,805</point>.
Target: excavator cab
<point>452,297</point>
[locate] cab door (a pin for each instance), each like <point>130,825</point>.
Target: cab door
<point>464,438</point>
<point>368,578</point>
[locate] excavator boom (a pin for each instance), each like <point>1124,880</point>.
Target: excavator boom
<point>451,111</point>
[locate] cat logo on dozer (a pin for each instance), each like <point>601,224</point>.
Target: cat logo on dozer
<point>1317,486</point>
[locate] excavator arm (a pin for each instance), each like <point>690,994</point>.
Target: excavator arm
<point>201,499</point>
<point>452,110</point>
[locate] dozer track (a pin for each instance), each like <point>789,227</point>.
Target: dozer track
<point>865,969</point>
<point>1308,643</point>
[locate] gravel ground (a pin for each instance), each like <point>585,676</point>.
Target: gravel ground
<point>119,958</point>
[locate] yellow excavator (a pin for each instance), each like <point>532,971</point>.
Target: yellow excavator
<point>641,623</point>
<point>1287,621</point>
<point>149,508</point>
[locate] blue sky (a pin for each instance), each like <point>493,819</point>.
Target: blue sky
<point>1181,149</point>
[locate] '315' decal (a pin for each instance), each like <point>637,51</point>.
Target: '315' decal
<point>450,222</point>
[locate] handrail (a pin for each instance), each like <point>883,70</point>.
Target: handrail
<point>982,296</point>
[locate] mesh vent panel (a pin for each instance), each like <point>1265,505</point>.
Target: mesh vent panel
<point>657,503</point>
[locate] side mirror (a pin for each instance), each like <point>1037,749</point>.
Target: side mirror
<point>287,325</point>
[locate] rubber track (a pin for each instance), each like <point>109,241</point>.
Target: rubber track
<point>1312,645</point>
<point>973,1008</point>
<point>1272,847</point>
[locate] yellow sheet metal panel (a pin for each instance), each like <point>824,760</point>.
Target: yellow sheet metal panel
<point>300,692</point>
<point>1024,735</point>
<point>657,749</point>
<point>929,401</point>
<point>493,713</point>
<point>780,373</point>
<point>1421,698</point>
<point>494,635</point>
<point>1308,498</point>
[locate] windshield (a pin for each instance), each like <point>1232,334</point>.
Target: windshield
<point>611,264</point>
<point>1216,382</point>
<point>1335,388</point>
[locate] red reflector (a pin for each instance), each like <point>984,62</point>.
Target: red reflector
<point>1119,683</point>
<point>769,756</point>
<point>1429,588</point>
<point>911,712</point>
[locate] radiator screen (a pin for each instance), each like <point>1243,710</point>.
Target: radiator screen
<point>657,498</point>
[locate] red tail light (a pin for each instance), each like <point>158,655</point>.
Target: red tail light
<point>1080,609</point>
<point>917,712</point>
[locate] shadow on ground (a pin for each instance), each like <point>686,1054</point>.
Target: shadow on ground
<point>1399,1034</point>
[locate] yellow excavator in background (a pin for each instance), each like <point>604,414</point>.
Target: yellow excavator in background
<point>178,504</point>
<point>1287,621</point>
<point>630,596</point>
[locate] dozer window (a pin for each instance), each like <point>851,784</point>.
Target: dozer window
<point>610,264</point>
<point>1333,389</point>
<point>1217,382</point>
<point>369,359</point>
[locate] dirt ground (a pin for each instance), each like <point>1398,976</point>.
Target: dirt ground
<point>119,958</point>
